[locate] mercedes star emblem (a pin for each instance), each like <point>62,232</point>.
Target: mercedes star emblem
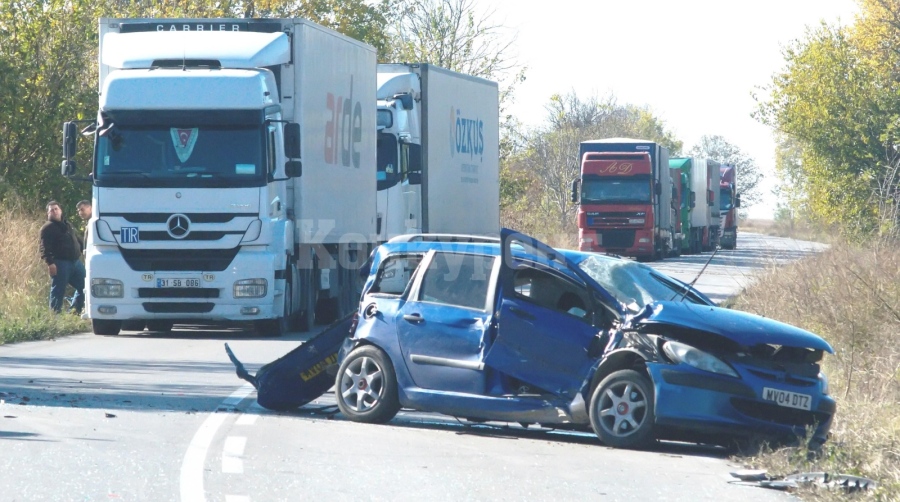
<point>178,226</point>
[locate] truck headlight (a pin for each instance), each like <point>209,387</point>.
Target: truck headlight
<point>250,288</point>
<point>636,221</point>
<point>107,288</point>
<point>691,356</point>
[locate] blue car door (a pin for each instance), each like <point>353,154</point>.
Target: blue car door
<point>443,325</point>
<point>544,327</point>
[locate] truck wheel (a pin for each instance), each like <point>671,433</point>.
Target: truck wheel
<point>106,327</point>
<point>278,326</point>
<point>366,386</point>
<point>622,412</point>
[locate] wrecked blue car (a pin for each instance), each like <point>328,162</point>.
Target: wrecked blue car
<point>516,331</point>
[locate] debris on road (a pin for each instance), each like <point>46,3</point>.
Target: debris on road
<point>844,482</point>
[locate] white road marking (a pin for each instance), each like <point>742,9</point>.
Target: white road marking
<point>232,454</point>
<point>195,457</point>
<point>236,498</point>
<point>247,419</point>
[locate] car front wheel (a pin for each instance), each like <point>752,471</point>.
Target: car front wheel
<point>367,386</point>
<point>622,412</point>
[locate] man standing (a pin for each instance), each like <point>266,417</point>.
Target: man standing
<point>61,250</point>
<point>84,210</point>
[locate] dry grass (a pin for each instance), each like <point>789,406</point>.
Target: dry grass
<point>850,295</point>
<point>24,284</point>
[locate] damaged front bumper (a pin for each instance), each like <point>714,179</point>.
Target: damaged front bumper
<point>691,402</point>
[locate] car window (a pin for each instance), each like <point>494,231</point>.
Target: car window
<point>394,274</point>
<point>551,291</point>
<point>457,279</point>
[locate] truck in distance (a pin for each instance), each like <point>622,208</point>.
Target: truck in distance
<point>729,201</point>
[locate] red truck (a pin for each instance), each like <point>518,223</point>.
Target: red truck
<point>729,201</point>
<point>625,199</point>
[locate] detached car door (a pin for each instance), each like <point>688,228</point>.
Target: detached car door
<point>545,325</point>
<point>443,325</point>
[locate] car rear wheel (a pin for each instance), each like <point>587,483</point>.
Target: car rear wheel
<point>367,386</point>
<point>622,413</point>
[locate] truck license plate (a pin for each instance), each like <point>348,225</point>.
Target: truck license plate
<point>177,283</point>
<point>787,398</point>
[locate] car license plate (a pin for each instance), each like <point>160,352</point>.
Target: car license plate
<point>177,283</point>
<point>787,398</point>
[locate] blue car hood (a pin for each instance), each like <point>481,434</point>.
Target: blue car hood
<point>740,327</point>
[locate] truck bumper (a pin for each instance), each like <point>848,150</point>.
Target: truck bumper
<point>210,296</point>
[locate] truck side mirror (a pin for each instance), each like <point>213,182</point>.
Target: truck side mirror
<point>70,136</point>
<point>293,169</point>
<point>737,200</point>
<point>576,184</point>
<point>710,197</point>
<point>405,99</point>
<point>657,187</point>
<point>693,199</point>
<point>292,140</point>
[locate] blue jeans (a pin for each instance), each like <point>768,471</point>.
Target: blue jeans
<point>67,272</point>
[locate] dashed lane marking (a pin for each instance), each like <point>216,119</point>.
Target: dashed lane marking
<point>232,455</point>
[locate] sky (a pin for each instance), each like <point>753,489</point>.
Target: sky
<point>694,63</point>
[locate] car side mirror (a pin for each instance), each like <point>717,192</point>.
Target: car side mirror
<point>292,140</point>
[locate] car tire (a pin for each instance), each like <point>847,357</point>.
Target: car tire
<point>366,386</point>
<point>622,412</point>
<point>106,327</point>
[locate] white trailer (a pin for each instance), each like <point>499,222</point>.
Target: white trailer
<point>438,152</point>
<point>232,173</point>
<point>705,215</point>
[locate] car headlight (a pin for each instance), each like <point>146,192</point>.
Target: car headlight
<point>107,288</point>
<point>691,356</point>
<point>250,288</point>
<point>826,388</point>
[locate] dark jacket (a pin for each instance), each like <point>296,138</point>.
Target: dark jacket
<point>59,241</point>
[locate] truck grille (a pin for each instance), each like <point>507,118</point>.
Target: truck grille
<point>604,219</point>
<point>203,260</point>
<point>194,217</point>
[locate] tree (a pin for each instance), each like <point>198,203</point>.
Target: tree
<point>748,175</point>
<point>838,97</point>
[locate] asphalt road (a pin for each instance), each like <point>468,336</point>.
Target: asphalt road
<point>144,416</point>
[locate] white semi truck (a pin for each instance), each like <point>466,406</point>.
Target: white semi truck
<point>438,152</point>
<point>232,173</point>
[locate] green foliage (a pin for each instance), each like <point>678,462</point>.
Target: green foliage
<point>837,98</point>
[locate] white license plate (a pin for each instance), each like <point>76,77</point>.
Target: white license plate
<point>787,398</point>
<point>177,283</point>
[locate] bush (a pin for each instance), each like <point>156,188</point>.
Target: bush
<point>849,295</point>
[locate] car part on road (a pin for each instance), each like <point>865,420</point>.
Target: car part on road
<point>302,374</point>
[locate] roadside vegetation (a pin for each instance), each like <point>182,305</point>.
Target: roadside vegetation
<point>850,295</point>
<point>24,284</point>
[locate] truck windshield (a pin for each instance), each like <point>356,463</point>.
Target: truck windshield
<point>614,190</point>
<point>725,202</point>
<point>161,156</point>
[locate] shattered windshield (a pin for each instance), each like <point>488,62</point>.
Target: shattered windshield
<point>181,156</point>
<point>635,285</point>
